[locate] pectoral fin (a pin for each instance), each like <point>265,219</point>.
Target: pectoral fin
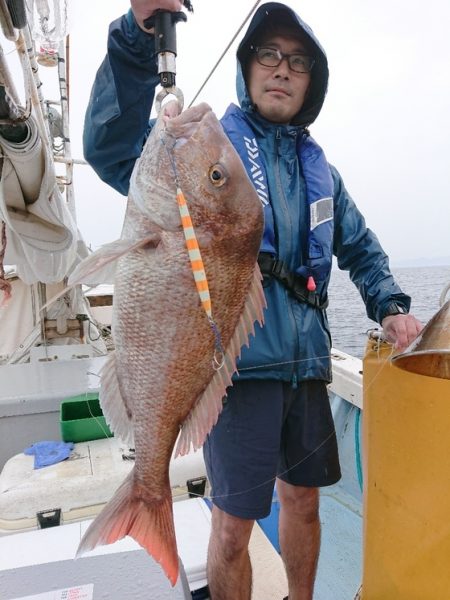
<point>100,266</point>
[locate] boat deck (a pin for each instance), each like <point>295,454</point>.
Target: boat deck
<point>339,572</point>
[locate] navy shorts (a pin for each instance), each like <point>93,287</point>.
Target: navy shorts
<point>266,430</point>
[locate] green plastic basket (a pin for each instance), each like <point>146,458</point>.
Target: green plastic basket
<point>81,419</point>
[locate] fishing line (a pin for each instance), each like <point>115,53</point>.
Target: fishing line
<point>272,479</point>
<point>97,419</point>
<point>212,497</point>
<point>379,342</point>
<point>359,471</point>
<point>224,52</point>
<point>287,362</point>
<point>197,265</point>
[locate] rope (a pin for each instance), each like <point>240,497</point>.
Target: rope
<point>224,52</point>
<point>359,470</point>
<point>5,286</point>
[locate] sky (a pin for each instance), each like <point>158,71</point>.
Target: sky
<point>385,123</point>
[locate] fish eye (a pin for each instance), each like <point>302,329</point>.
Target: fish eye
<point>217,175</point>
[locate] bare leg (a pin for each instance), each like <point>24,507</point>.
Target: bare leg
<point>229,570</point>
<point>299,535</point>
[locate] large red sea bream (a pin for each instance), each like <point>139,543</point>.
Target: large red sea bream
<point>180,318</point>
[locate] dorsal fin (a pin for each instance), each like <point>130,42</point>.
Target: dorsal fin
<point>205,413</point>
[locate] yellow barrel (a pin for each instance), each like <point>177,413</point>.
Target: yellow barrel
<point>406,445</point>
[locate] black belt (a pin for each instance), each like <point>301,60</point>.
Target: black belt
<point>296,284</point>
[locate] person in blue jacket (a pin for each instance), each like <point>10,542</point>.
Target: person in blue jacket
<point>276,422</point>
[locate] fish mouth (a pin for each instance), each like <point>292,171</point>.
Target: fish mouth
<point>182,128</point>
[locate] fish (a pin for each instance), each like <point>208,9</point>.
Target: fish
<point>187,294</point>
<point>429,353</point>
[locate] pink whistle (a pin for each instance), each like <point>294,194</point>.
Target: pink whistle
<point>311,284</point>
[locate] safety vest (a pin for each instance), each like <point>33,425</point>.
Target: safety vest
<point>319,192</point>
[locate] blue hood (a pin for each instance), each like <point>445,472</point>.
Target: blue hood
<point>319,73</point>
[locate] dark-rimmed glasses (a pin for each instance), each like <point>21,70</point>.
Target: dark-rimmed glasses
<point>272,57</point>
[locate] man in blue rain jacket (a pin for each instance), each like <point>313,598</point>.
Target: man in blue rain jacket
<point>276,422</point>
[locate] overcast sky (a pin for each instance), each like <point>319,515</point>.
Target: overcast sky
<point>385,123</point>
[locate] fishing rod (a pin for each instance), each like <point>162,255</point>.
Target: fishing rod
<point>164,24</point>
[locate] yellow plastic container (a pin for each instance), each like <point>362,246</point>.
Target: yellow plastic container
<point>406,441</point>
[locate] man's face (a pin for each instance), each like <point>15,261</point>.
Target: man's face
<point>278,92</point>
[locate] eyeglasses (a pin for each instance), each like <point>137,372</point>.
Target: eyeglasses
<point>271,57</point>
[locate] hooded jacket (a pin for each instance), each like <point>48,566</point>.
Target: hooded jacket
<point>294,344</point>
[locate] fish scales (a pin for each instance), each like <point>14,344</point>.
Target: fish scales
<point>161,377</point>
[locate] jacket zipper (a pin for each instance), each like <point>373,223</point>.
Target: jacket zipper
<point>285,210</point>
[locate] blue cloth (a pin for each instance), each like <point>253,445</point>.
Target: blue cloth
<point>49,453</point>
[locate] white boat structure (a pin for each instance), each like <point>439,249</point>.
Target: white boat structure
<point>399,550</point>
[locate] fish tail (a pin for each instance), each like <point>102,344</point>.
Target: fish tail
<point>150,523</point>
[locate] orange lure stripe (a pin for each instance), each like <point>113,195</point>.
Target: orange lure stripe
<point>195,257</point>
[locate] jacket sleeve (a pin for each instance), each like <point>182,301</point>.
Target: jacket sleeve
<point>117,117</point>
<point>358,251</point>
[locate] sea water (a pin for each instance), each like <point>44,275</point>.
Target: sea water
<point>349,323</point>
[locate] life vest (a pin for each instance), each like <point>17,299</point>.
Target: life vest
<point>319,192</point>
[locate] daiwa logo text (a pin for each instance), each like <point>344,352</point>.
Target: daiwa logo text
<point>256,171</point>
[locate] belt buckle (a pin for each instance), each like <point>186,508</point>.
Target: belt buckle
<point>277,267</point>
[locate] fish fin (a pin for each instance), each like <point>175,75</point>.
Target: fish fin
<point>116,412</point>
<point>150,523</point>
<point>100,266</point>
<point>206,411</point>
